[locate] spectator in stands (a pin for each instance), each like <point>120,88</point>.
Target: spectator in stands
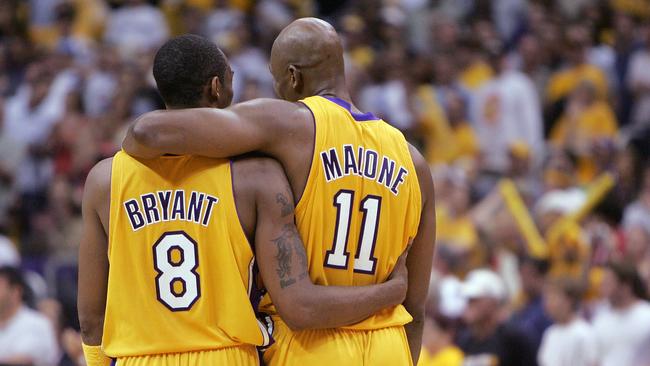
<point>586,122</point>
<point>530,318</point>
<point>638,81</point>
<point>506,110</point>
<point>26,337</point>
<point>639,210</point>
<point>455,227</point>
<point>488,340</point>
<point>438,348</point>
<point>136,26</point>
<point>622,328</point>
<point>530,59</point>
<point>34,110</point>
<point>473,63</point>
<point>387,97</point>
<point>577,69</point>
<point>643,356</point>
<point>8,253</point>
<point>570,340</point>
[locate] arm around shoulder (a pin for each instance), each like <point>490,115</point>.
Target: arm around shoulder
<point>252,126</point>
<point>283,265</point>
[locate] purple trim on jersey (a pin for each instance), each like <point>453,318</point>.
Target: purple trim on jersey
<point>311,162</point>
<point>256,292</point>
<point>359,117</point>
<point>114,362</point>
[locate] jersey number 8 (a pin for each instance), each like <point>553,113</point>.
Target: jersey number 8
<point>175,260</point>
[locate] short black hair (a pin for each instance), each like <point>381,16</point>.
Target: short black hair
<point>627,274</point>
<point>14,277</point>
<point>572,288</point>
<point>183,66</point>
<point>541,265</point>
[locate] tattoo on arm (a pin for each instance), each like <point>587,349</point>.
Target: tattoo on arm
<point>285,207</point>
<point>288,242</point>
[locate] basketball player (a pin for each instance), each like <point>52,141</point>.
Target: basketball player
<point>363,192</point>
<point>166,272</point>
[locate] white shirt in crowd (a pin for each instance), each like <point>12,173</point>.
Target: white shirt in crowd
<point>134,28</point>
<point>572,344</point>
<point>620,333</point>
<point>8,253</point>
<point>507,110</point>
<point>638,76</point>
<point>30,334</point>
<point>27,125</point>
<point>388,100</point>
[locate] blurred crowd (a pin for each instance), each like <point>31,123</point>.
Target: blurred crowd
<point>534,116</point>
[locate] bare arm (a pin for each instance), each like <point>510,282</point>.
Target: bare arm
<point>420,259</point>
<point>258,125</point>
<point>93,256</point>
<point>283,266</point>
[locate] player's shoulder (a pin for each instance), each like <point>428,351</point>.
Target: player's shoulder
<point>423,172</point>
<point>280,113</point>
<point>420,163</point>
<point>98,180</point>
<point>101,170</point>
<point>270,106</point>
<point>98,183</point>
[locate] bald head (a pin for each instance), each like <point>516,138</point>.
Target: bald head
<point>306,58</point>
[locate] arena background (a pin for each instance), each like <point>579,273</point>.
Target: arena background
<point>534,116</point>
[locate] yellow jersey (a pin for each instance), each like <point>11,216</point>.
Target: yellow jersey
<point>181,267</point>
<point>361,205</point>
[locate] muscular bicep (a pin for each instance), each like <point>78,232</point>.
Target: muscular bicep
<point>256,125</point>
<point>93,261</point>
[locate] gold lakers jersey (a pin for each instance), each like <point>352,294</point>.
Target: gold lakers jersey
<point>181,266</point>
<point>361,204</point>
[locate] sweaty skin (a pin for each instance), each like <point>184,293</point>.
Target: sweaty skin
<point>306,60</point>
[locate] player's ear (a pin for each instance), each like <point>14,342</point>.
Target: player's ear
<point>215,89</point>
<point>295,76</point>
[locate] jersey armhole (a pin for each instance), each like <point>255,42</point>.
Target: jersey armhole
<point>114,205</point>
<point>312,164</point>
<point>233,193</point>
<point>416,190</point>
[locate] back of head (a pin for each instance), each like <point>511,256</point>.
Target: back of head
<point>313,48</point>
<point>184,66</point>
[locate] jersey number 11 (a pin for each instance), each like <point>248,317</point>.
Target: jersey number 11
<point>338,256</point>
